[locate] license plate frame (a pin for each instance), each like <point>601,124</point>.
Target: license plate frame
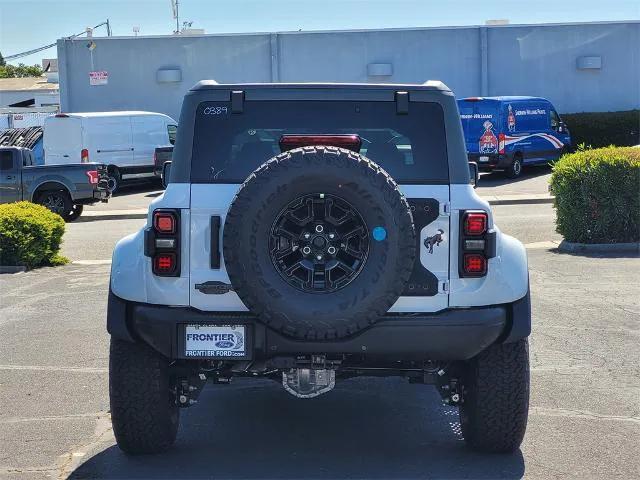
<point>216,346</point>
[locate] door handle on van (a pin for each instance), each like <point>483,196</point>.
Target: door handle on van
<point>116,150</point>
<point>65,156</point>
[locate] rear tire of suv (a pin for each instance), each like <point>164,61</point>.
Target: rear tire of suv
<point>493,416</point>
<point>514,170</point>
<point>144,414</point>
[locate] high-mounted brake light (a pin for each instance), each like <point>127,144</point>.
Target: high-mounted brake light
<point>473,99</point>
<point>84,155</point>
<point>61,115</point>
<point>475,264</point>
<point>93,176</point>
<point>501,139</point>
<point>475,223</point>
<point>350,142</point>
<point>164,222</point>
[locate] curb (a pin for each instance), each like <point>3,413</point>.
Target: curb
<point>112,216</point>
<point>520,201</point>
<point>570,247</point>
<point>12,269</point>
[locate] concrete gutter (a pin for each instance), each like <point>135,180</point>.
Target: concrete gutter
<point>141,213</point>
<point>570,247</point>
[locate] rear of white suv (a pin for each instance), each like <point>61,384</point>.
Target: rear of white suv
<point>313,232</point>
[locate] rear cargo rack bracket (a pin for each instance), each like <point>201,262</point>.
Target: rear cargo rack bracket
<point>402,103</point>
<point>237,101</point>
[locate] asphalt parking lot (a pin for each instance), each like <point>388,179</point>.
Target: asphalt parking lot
<point>585,404</point>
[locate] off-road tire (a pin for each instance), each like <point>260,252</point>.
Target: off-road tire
<point>143,411</point>
<point>332,171</point>
<point>514,170</point>
<point>493,416</point>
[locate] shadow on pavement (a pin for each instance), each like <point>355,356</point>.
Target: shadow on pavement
<point>497,179</point>
<point>364,428</point>
<point>129,187</point>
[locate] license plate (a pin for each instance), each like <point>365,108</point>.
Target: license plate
<point>484,159</point>
<point>215,341</point>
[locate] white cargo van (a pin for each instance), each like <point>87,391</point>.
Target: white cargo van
<point>125,141</point>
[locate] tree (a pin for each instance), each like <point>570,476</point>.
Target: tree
<point>22,70</point>
<point>2,62</point>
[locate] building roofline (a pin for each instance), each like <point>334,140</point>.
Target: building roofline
<point>364,30</point>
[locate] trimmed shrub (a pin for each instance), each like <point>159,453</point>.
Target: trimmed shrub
<point>597,195</point>
<point>30,235</point>
<point>603,129</point>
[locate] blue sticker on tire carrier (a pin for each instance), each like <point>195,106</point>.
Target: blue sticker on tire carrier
<point>379,233</point>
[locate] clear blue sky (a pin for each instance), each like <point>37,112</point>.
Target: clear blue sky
<point>27,24</point>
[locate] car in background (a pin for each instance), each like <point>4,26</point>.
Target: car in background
<point>124,141</point>
<point>63,189</point>
<point>508,133</point>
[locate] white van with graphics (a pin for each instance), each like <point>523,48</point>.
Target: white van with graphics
<point>125,141</point>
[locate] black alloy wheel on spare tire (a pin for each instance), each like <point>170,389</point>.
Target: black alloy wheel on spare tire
<point>319,243</point>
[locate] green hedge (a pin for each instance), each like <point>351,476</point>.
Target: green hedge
<point>597,195</point>
<point>30,235</point>
<point>604,129</point>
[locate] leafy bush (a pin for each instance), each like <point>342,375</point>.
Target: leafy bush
<point>602,129</point>
<point>597,195</point>
<point>30,235</point>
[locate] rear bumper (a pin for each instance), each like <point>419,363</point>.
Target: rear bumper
<point>93,197</point>
<point>454,334</point>
<point>494,161</point>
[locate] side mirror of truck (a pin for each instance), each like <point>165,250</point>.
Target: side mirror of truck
<point>473,174</point>
<point>166,170</point>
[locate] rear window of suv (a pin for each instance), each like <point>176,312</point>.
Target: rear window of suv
<point>227,146</point>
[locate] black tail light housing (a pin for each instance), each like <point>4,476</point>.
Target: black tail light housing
<point>477,244</point>
<point>162,242</point>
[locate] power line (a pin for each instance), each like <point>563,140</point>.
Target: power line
<point>39,49</point>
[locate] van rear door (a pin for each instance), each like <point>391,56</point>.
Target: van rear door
<point>62,139</point>
<point>481,123</point>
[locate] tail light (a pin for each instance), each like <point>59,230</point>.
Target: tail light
<point>475,263</point>
<point>475,223</point>
<point>350,142</point>
<point>501,139</point>
<point>164,222</point>
<point>84,155</point>
<point>162,243</point>
<point>477,243</point>
<point>93,177</point>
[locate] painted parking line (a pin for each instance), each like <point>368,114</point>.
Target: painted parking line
<point>55,368</point>
<point>92,262</point>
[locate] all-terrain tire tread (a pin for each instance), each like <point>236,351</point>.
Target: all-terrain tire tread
<point>143,413</point>
<point>496,402</point>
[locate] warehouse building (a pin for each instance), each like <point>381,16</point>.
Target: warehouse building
<point>592,67</point>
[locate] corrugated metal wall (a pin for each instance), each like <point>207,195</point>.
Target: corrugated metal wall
<point>541,60</point>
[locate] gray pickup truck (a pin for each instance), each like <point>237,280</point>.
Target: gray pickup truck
<point>63,189</point>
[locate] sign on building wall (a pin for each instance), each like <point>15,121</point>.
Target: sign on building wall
<point>98,78</point>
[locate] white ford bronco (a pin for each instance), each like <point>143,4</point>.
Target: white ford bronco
<point>311,233</point>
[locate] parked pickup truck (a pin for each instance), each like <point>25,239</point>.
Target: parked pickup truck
<point>63,189</point>
<point>161,155</point>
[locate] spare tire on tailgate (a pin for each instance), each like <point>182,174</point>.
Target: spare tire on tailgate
<point>319,242</point>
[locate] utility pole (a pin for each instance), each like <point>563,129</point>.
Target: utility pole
<point>176,14</point>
